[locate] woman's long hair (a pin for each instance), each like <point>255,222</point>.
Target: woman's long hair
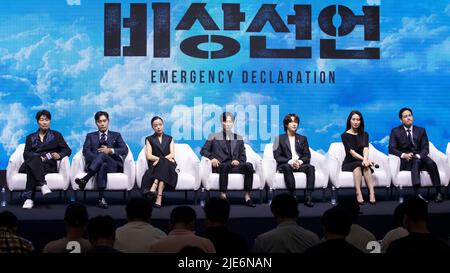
<point>361,132</point>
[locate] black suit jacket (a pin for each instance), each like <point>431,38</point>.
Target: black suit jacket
<point>398,142</point>
<point>282,149</point>
<point>216,147</point>
<point>114,140</point>
<point>54,142</point>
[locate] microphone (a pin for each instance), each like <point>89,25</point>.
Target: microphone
<point>375,165</point>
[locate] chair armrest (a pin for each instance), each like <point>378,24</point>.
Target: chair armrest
<point>256,161</point>
<point>441,162</point>
<point>64,170</point>
<point>14,163</point>
<point>129,168</point>
<point>334,168</point>
<point>269,166</point>
<point>205,171</point>
<point>383,161</point>
<point>394,167</point>
<point>141,168</point>
<point>78,166</point>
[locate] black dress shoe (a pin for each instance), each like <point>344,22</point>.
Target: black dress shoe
<point>439,198</point>
<point>102,203</point>
<point>249,203</point>
<point>423,198</point>
<point>157,206</point>
<point>81,183</point>
<point>308,202</point>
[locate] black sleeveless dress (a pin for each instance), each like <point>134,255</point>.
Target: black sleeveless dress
<point>356,143</point>
<point>165,170</point>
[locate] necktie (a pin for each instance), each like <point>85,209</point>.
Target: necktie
<point>103,139</point>
<point>410,139</point>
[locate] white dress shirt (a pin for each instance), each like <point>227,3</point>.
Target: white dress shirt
<point>412,137</point>
<point>293,151</point>
<point>106,138</point>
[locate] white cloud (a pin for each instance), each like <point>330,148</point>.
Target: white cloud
<point>438,56</point>
<point>324,129</point>
<point>373,2</point>
<point>82,65</point>
<point>61,106</point>
<point>73,2</point>
<point>25,52</point>
<point>13,118</point>
<point>447,10</point>
<point>250,98</point>
<point>383,142</point>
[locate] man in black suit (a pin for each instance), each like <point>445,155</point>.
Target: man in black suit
<point>226,151</point>
<point>291,151</point>
<point>42,151</point>
<point>410,143</point>
<point>104,152</point>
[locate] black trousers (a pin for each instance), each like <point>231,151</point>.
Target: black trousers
<point>36,170</point>
<point>289,178</point>
<point>424,164</point>
<point>226,168</point>
<point>102,165</point>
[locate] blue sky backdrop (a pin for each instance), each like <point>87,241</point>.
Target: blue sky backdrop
<point>51,56</point>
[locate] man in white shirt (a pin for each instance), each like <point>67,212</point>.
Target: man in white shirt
<point>138,234</point>
<point>291,151</point>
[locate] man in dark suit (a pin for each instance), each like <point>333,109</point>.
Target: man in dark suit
<point>291,151</point>
<point>410,143</point>
<point>226,151</point>
<point>104,152</point>
<point>42,151</point>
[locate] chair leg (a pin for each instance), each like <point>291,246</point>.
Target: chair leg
<point>84,196</point>
<point>386,194</point>
<point>60,195</point>
<point>428,193</point>
<point>124,195</point>
<point>260,196</point>
<point>208,195</point>
<point>10,196</point>
<point>267,194</point>
<point>185,196</point>
<point>196,197</point>
<point>324,191</point>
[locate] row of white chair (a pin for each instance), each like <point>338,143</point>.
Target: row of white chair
<point>194,172</point>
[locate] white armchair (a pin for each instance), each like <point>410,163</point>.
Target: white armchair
<point>17,181</point>
<point>275,179</point>
<point>116,181</point>
<point>340,179</point>
<point>403,178</point>
<point>210,180</point>
<point>188,165</point>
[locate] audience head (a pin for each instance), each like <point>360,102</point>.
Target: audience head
<point>416,214</point>
<point>290,122</point>
<point>351,206</point>
<point>9,221</point>
<point>183,217</point>
<point>406,116</point>
<point>355,120</point>
<point>217,211</point>
<point>76,216</point>
<point>284,206</point>
<point>139,209</point>
<point>336,223</point>
<point>101,230</point>
<point>399,214</point>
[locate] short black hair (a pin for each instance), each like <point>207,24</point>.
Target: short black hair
<point>99,114</point>
<point>217,210</point>
<point>76,215</point>
<point>288,118</point>
<point>101,227</point>
<point>182,215</point>
<point>416,209</point>
<point>400,113</point>
<point>156,118</point>
<point>44,113</point>
<point>8,220</point>
<point>284,206</point>
<point>139,209</point>
<point>337,221</point>
<point>399,214</point>
<point>351,205</point>
<point>227,114</point>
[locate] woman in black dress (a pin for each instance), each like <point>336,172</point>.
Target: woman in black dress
<point>160,152</point>
<point>356,143</point>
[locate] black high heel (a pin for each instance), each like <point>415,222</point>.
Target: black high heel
<point>158,206</point>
